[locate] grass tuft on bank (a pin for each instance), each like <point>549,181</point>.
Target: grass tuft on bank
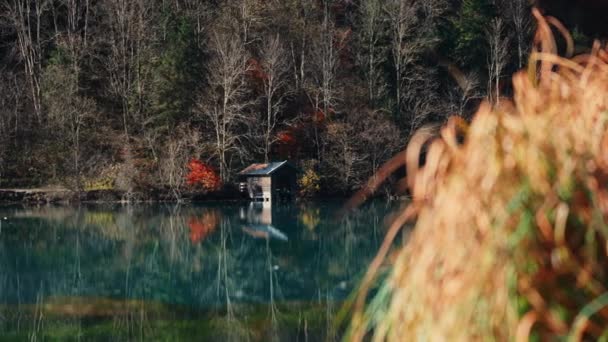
<point>510,239</point>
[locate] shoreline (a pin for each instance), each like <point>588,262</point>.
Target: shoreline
<point>40,196</point>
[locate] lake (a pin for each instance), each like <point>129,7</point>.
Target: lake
<point>225,271</point>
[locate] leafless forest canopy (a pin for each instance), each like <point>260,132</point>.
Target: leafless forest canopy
<point>130,90</point>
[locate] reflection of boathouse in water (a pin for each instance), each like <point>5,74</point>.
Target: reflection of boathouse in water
<point>269,181</point>
<point>257,221</point>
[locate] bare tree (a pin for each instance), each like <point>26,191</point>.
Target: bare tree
<point>10,103</point>
<point>9,118</point>
<point>224,106</point>
<point>470,90</point>
<point>358,146</point>
<point>171,170</point>
<point>75,39</point>
<point>78,16</point>
<point>67,110</point>
<point>323,90</point>
<point>405,43</point>
<point>275,67</point>
<point>200,12</point>
<point>325,54</point>
<point>241,17</point>
<point>128,40</point>
<point>25,17</point>
<point>467,88</point>
<point>421,100</point>
<point>181,146</point>
<point>303,12</point>
<point>378,137</point>
<point>411,26</point>
<point>343,158</point>
<point>248,18</point>
<point>372,53</point>
<point>497,59</point>
<point>519,13</point>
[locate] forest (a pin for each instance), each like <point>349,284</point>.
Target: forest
<point>124,94</point>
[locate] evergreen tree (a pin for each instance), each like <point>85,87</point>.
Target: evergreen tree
<point>468,34</point>
<point>177,72</point>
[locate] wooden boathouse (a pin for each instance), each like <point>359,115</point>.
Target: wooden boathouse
<point>269,181</point>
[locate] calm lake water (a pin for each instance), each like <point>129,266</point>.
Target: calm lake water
<point>243,271</point>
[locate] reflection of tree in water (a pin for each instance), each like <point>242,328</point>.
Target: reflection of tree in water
<point>227,282</point>
<point>310,218</point>
<point>203,225</point>
<point>274,289</point>
<point>146,253</point>
<point>224,283</point>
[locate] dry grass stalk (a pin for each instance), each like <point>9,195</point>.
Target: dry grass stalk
<point>511,236</point>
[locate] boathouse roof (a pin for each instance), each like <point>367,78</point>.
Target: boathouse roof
<point>264,169</point>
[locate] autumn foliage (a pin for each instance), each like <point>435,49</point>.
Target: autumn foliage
<point>202,175</point>
<point>286,137</point>
<point>256,71</point>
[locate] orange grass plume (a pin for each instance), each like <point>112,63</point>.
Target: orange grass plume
<point>510,237</point>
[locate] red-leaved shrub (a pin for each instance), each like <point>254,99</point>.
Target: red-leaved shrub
<point>202,175</point>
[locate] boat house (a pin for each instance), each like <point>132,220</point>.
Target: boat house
<point>269,181</point>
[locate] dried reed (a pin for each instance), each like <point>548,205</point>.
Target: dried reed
<point>510,238</point>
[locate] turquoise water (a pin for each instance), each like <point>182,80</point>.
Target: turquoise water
<point>239,271</point>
